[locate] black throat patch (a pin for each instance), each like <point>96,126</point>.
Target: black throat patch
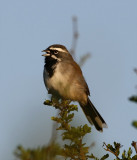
<point>50,65</point>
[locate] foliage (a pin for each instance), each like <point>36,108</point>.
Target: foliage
<point>115,150</point>
<point>74,148</point>
<point>48,152</point>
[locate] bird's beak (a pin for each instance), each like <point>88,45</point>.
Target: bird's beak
<point>47,52</point>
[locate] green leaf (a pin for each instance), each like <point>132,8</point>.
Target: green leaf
<point>47,102</point>
<point>105,157</point>
<point>129,152</point>
<point>93,157</point>
<point>134,124</point>
<point>133,99</point>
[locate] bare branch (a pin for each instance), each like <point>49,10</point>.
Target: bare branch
<point>75,36</point>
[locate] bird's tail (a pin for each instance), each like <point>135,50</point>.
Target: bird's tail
<point>93,116</point>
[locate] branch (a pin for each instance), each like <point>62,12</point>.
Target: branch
<point>75,36</point>
<point>115,151</point>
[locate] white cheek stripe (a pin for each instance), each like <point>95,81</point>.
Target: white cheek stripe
<point>58,59</point>
<point>58,49</point>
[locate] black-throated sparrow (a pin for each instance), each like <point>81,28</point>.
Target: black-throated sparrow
<point>63,78</point>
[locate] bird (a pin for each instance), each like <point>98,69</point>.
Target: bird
<point>63,78</point>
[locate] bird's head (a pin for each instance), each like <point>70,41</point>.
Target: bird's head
<point>56,51</point>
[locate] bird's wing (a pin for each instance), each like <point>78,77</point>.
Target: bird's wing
<point>77,73</point>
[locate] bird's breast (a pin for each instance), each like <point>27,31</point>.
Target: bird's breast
<point>67,83</point>
<point>59,81</point>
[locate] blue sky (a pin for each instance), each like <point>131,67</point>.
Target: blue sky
<point>108,30</point>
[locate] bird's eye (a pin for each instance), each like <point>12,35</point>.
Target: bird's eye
<point>56,52</point>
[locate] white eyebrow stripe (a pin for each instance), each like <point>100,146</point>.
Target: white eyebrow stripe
<point>58,49</point>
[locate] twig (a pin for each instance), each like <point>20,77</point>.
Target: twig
<point>107,149</point>
<point>75,36</point>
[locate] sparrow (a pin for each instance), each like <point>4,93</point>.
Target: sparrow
<point>63,78</point>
